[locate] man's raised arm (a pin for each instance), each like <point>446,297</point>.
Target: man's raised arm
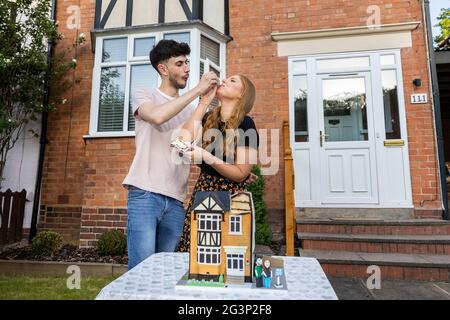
<point>160,114</point>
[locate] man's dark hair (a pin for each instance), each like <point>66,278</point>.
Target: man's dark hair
<point>166,49</point>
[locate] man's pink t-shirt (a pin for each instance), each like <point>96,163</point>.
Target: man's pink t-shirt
<point>153,168</point>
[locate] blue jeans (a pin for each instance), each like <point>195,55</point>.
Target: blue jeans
<point>267,282</point>
<point>155,224</point>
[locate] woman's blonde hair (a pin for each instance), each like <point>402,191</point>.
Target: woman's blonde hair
<point>241,109</point>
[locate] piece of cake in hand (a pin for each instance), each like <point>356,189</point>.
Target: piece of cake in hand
<point>181,146</point>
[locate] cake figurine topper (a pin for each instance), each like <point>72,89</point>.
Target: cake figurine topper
<point>222,246</point>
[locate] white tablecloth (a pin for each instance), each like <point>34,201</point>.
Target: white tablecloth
<point>156,277</point>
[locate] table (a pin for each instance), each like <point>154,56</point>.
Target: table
<point>155,278</point>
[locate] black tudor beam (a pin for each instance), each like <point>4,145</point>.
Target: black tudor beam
<point>98,13</point>
<point>186,9</point>
<point>197,10</point>
<point>108,11</point>
<point>162,11</point>
<point>129,20</point>
<point>201,236</point>
<point>227,17</point>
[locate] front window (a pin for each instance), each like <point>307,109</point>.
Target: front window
<point>390,101</point>
<point>210,60</point>
<point>235,224</point>
<point>209,222</point>
<point>123,67</point>
<point>208,255</point>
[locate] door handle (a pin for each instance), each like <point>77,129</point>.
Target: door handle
<point>322,137</point>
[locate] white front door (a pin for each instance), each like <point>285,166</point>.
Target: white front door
<point>346,139</point>
<point>235,265</point>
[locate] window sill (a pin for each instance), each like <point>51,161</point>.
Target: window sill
<point>108,135</point>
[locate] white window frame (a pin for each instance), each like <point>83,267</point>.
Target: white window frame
<point>195,36</point>
<point>237,220</point>
<point>213,251</point>
<point>208,63</point>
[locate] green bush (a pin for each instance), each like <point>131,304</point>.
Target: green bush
<point>112,242</point>
<point>263,233</point>
<point>46,243</point>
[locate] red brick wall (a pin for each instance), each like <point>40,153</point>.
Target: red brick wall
<point>252,52</point>
<point>63,219</point>
<point>95,221</point>
<point>65,158</point>
<point>88,173</point>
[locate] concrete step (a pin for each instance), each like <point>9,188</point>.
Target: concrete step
<point>361,213</point>
<point>423,267</point>
<point>234,280</point>
<point>374,226</point>
<point>421,244</point>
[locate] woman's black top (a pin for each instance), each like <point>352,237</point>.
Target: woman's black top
<point>248,137</point>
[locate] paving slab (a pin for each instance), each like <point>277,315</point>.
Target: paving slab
<point>350,289</point>
<point>409,290</point>
<point>444,287</point>
<point>356,289</point>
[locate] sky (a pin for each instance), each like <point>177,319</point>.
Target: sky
<point>435,9</point>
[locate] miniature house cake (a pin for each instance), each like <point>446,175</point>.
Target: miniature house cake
<point>222,237</point>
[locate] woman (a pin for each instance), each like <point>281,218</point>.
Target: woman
<point>227,153</point>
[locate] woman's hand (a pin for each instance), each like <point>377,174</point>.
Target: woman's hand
<point>209,96</point>
<point>208,81</point>
<point>251,178</point>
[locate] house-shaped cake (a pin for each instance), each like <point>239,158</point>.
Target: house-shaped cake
<point>222,237</point>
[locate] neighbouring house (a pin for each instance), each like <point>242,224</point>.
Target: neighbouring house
<point>20,174</point>
<point>351,78</point>
<point>222,237</point>
<point>442,59</point>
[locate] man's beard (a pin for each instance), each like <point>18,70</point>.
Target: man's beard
<point>176,84</point>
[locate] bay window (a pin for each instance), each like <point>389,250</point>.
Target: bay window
<point>122,67</point>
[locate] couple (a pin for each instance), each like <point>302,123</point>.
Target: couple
<point>156,184</point>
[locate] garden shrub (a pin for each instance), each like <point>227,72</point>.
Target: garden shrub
<point>112,242</point>
<point>46,243</point>
<point>263,234</point>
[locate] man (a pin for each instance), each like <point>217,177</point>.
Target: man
<point>156,185</point>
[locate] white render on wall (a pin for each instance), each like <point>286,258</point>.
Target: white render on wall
<point>146,12</point>
<point>21,167</point>
<point>214,16</point>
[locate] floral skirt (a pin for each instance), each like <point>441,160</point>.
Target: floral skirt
<point>205,182</point>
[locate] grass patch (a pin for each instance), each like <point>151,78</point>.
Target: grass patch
<point>49,288</point>
<point>197,283</point>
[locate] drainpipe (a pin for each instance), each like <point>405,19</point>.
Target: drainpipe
<point>436,109</point>
<point>42,141</point>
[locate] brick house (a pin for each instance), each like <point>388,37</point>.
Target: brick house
<point>352,79</point>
